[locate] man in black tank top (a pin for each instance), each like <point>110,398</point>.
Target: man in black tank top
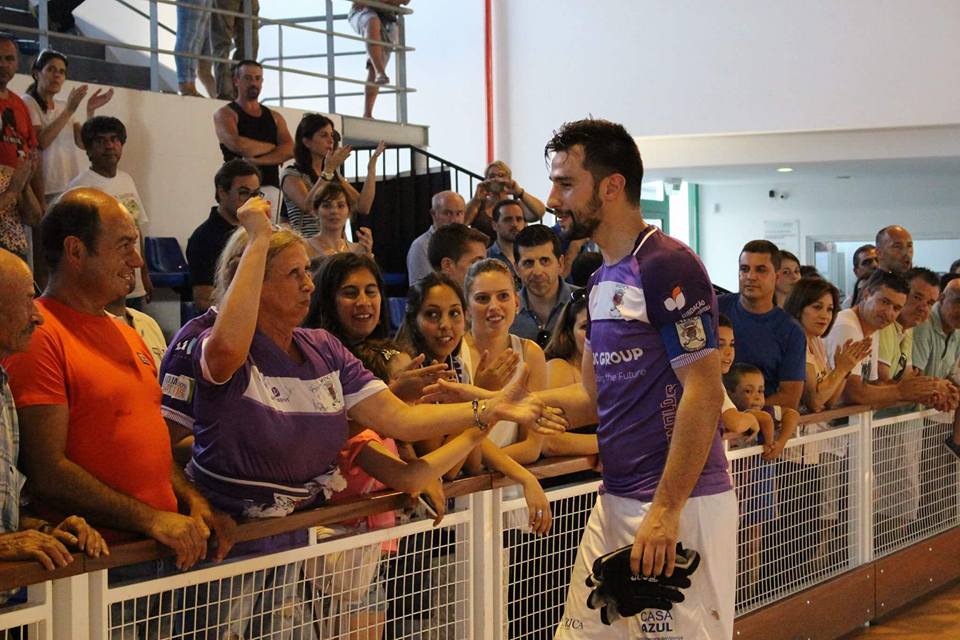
<point>249,130</point>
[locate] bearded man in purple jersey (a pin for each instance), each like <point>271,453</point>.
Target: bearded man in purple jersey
<point>651,372</point>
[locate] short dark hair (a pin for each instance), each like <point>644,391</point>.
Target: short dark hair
<point>946,279</point>
<point>924,274</point>
<point>607,149</point>
<point>323,305</point>
<point>9,37</point>
<point>450,241</point>
<point>506,202</point>
<point>861,249</point>
<point>809,271</point>
<point>786,255</point>
<point>764,246</point>
<point>882,278</point>
<point>724,320</point>
<point>328,192</point>
<point>99,125</point>
<point>535,235</point>
<point>409,336</point>
<point>68,217</point>
<point>739,369</point>
<point>807,291</point>
<point>584,265</point>
<point>42,59</point>
<point>235,71</point>
<point>231,169</point>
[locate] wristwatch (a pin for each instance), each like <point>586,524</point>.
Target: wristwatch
<point>326,176</point>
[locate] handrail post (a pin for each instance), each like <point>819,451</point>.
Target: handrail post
<point>71,606</point>
<point>154,45</point>
<point>331,61</point>
<point>280,61</point>
<point>43,18</point>
<point>401,70</point>
<point>487,562</point>
<point>248,29</point>
<point>864,514</point>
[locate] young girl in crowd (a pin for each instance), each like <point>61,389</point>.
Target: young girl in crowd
<point>740,428</point>
<point>369,463</point>
<point>332,209</point>
<point>434,325</point>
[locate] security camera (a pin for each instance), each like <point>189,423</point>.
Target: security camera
<point>783,195</point>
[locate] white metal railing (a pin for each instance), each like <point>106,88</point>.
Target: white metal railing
<point>825,507</point>
<point>333,36</point>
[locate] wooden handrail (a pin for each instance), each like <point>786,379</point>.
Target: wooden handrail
<point>19,574</point>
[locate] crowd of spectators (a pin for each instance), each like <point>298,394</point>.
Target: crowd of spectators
<point>288,390</point>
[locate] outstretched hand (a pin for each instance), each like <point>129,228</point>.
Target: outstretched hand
<point>409,383</point>
<point>516,404</point>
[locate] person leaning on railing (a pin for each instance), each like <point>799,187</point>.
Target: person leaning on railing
<point>256,367</point>
<point>23,537</point>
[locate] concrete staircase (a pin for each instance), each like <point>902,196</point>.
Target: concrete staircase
<point>88,61</point>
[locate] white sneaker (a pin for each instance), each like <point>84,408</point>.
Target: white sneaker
<point>381,79</point>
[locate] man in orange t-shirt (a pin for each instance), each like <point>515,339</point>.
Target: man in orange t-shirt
<point>94,442</point>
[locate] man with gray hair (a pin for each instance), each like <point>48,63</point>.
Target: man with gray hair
<point>936,346</point>
<point>23,537</point>
<point>895,249</point>
<point>446,207</point>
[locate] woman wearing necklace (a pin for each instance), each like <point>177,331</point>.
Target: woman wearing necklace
<point>332,209</point>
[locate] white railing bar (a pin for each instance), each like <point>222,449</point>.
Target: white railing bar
<point>903,417</point>
<point>796,441</point>
<point>570,491</point>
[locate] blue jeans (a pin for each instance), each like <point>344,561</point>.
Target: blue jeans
<point>193,30</point>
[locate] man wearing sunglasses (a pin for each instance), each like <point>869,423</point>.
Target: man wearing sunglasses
<point>539,264</point>
<point>235,182</point>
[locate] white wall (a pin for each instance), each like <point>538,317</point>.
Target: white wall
<point>838,209</point>
<point>688,66</point>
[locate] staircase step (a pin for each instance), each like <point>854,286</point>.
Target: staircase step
<point>76,48</point>
<point>85,69</point>
<point>16,17</point>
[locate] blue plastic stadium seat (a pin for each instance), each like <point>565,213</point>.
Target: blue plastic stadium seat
<point>398,306</point>
<point>166,264</point>
<point>396,279</point>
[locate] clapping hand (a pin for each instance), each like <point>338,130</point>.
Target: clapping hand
<point>372,162</point>
<point>336,157</point>
<point>494,375</point>
<point>411,381</point>
<point>849,355</point>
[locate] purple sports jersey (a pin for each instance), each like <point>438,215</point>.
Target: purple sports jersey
<point>176,371</point>
<point>266,441</point>
<point>652,311</point>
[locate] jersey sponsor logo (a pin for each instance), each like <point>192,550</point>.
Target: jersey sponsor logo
<point>603,358</point>
<point>611,300</point>
<point>668,409</point>
<point>699,305</point>
<point>676,301</point>
<point>572,623</point>
<point>178,387</point>
<point>293,395</point>
<point>145,359</point>
<point>693,336</point>
<point>656,621</point>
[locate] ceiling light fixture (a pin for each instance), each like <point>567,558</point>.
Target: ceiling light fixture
<point>785,169</point>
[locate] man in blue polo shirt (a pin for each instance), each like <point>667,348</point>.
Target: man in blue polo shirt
<point>767,337</point>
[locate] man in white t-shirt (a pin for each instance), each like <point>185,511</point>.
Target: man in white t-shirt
<point>884,295</point>
<point>104,137</point>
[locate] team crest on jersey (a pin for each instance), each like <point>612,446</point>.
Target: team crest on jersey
<point>617,301</point>
<point>693,336</point>
<point>676,301</point>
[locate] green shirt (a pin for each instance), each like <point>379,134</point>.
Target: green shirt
<point>934,351</point>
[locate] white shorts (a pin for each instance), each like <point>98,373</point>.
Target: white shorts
<point>707,524</point>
